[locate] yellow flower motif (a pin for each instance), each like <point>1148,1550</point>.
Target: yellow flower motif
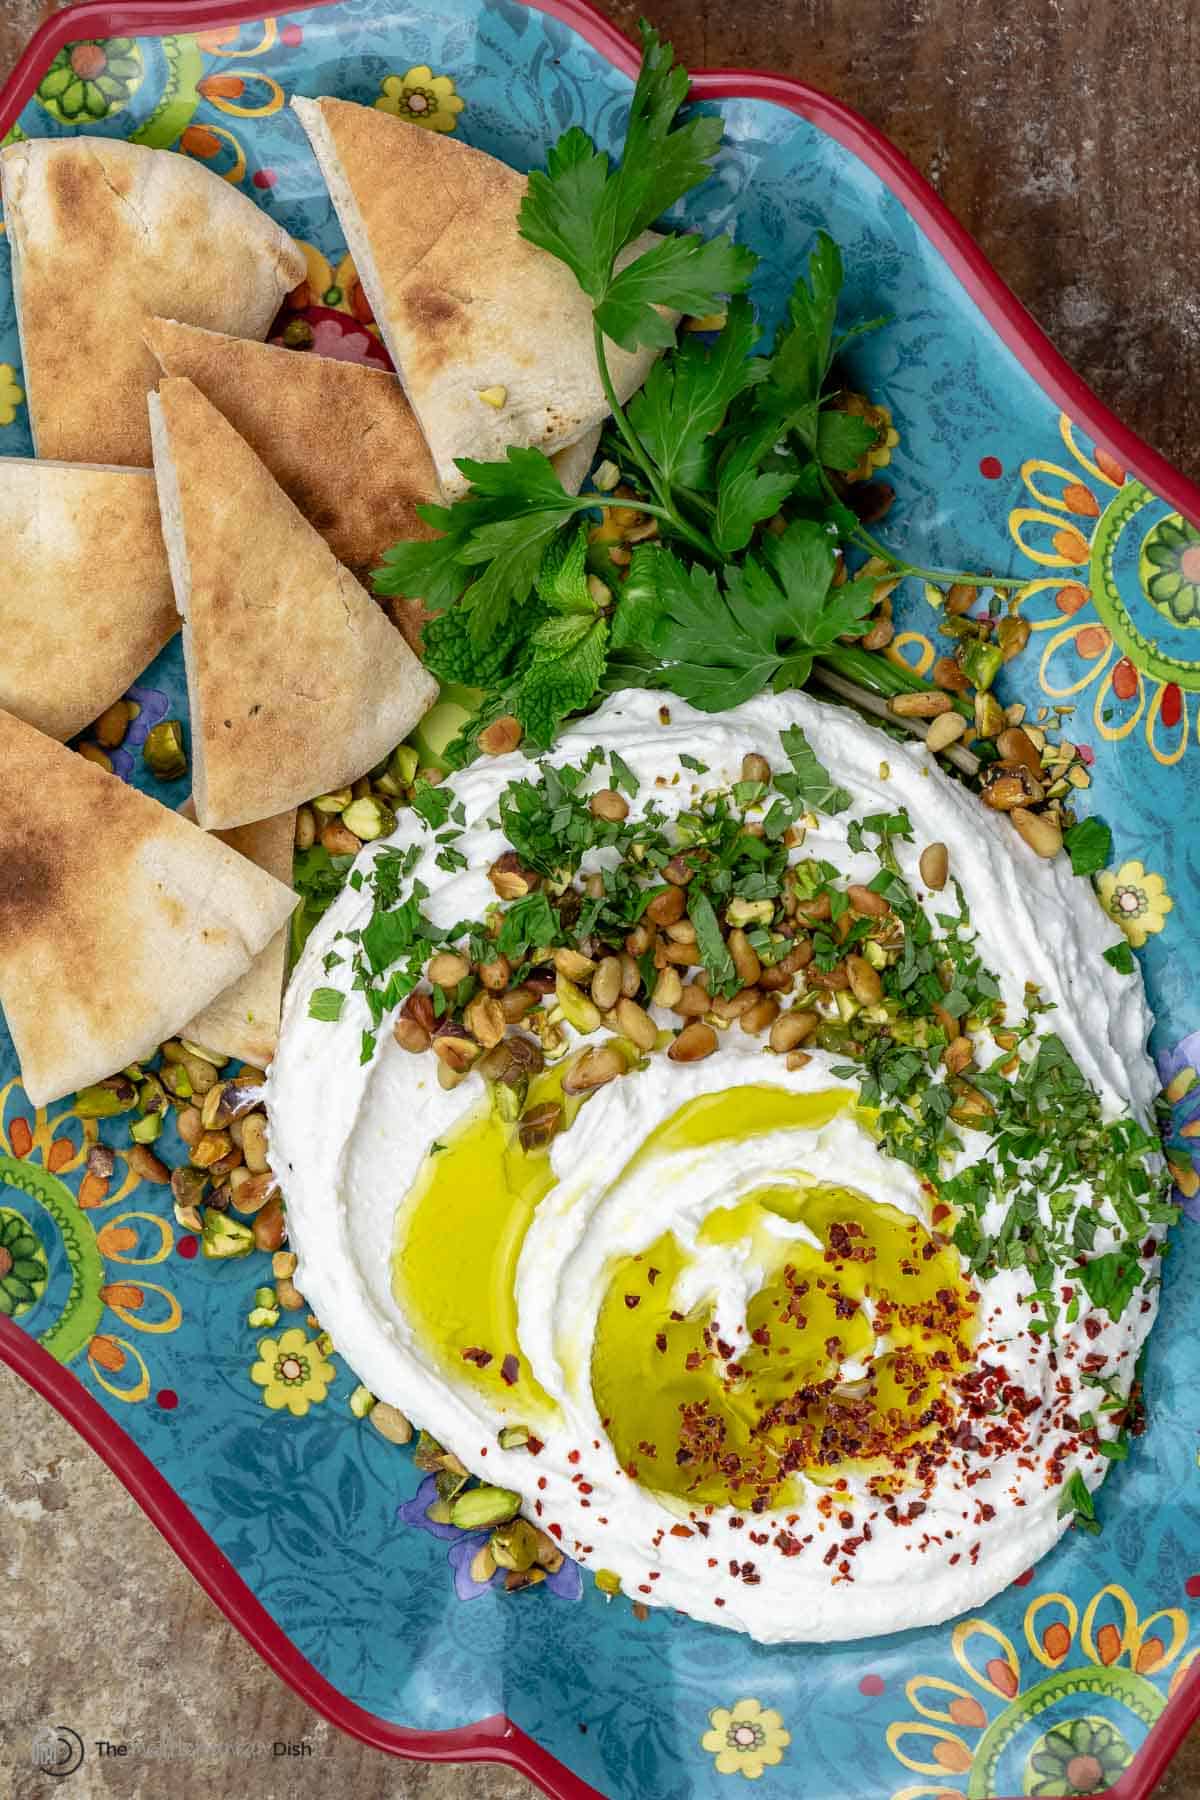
<point>422,98</point>
<point>292,1372</point>
<point>1137,901</point>
<point>11,394</point>
<point>745,1738</point>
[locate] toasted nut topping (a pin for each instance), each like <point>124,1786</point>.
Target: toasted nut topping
<point>678,871</point>
<point>593,1068</point>
<point>494,396</point>
<point>610,805</point>
<point>111,726</point>
<point>540,1125</point>
<point>517,1004</point>
<point>447,969</point>
<point>306,828</point>
<point>1012,635</point>
<point>959,1052</point>
<point>368,818</point>
<point>920,706</point>
<point>756,768</point>
<point>143,1162</point>
<point>410,1036</point>
<point>454,1049</point>
<point>190,1125</point>
<point>1016,746</point>
<point>1008,785</point>
<point>606,983</point>
<point>745,957</point>
<point>960,597</point>
<point>947,673</point>
<point>501,737</point>
<point>865,984</point>
<point>935,866</point>
<point>510,880</point>
<point>390,1422</point>
<point>574,965</point>
<point>338,840</point>
<point>283,1263</point>
<point>631,976</point>
<point>989,715</point>
<point>736,1005</point>
<point>484,1020</point>
<point>578,1009</point>
<point>667,989</point>
<point>254,1191</point>
<point>693,1002</point>
<point>636,1024</point>
<point>694,1043</point>
<point>667,908</point>
<point>289,1295</point>
<point>945,731</point>
<point>254,1143</point>
<point>866,902</point>
<point>686,955</point>
<point>791,1029</point>
<point>419,1008</point>
<point>495,975</point>
<point>881,633</point>
<point>210,1148</point>
<point>1039,832</point>
<point>268,1226</point>
<point>682,932</point>
<point>762,1014</point>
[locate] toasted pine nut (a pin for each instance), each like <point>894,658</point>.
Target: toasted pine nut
<point>935,866</point>
<point>666,908</point>
<point>791,1029</point>
<point>758,1017</point>
<point>631,976</point>
<point>694,1043</point>
<point>636,1024</point>
<point>495,975</point>
<point>920,706</point>
<point>693,1002</point>
<point>945,731</point>
<point>667,989</point>
<point>865,984</point>
<point>958,1053</point>
<point>610,805</point>
<point>866,902</point>
<point>745,957</point>
<point>1039,832</point>
<point>756,768</point>
<point>606,983</point>
<point>446,969</point>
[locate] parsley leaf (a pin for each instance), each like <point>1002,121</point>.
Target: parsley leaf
<point>718,649</point>
<point>687,274</point>
<point>326,1003</point>
<point>1121,957</point>
<point>842,439</point>
<point>745,497</point>
<point>1089,845</point>
<point>686,396</point>
<point>810,785</point>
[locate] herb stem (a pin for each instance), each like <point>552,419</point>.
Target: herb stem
<point>875,706</point>
<point>634,445</point>
<point>963,577</point>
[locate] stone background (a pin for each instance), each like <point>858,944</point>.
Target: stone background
<point>1062,133</point>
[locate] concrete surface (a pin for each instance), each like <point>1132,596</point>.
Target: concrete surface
<point>1063,133</point>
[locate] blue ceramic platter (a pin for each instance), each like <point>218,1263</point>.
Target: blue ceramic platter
<point>303,1521</point>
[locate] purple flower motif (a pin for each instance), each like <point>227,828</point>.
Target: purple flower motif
<point>566,1582</point>
<point>153,703</point>
<point>1179,1071</point>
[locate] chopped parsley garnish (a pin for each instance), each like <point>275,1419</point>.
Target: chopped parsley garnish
<point>1089,846</point>
<point>1120,956</point>
<point>326,1003</point>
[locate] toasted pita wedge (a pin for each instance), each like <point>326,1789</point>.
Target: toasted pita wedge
<point>118,919</point>
<point>297,681</point>
<point>105,234</point>
<point>243,1022</point>
<point>467,308</point>
<point>85,591</point>
<point>373,469</point>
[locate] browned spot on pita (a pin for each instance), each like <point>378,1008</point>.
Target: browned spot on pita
<point>29,883</point>
<point>430,309</point>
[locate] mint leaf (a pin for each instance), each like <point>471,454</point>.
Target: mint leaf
<point>527,924</point>
<point>723,977</point>
<point>1076,1498</point>
<point>567,663</point>
<point>1111,1281</point>
<point>562,579</point>
<point>687,274</point>
<point>326,1003</point>
<point>810,785</point>
<point>842,439</point>
<point>1121,958</point>
<point>452,654</point>
<point>1089,845</point>
<point>686,396</point>
<point>432,803</point>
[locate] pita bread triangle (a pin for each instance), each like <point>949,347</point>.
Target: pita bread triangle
<point>243,1022</point>
<point>467,308</point>
<point>118,919</point>
<point>374,468</point>
<point>85,591</point>
<point>105,234</point>
<point>297,682</point>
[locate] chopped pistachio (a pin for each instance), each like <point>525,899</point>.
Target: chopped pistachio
<point>224,1237</point>
<point>515,1545</point>
<point>390,1423</point>
<point>481,1507</point>
<point>337,802</point>
<point>513,1437</point>
<point>260,1318</point>
<point>369,818</point>
<point>980,662</point>
<point>147,1129</point>
<point>606,477</point>
<point>483,1564</point>
<point>105,1099</point>
<point>163,750</point>
<point>176,1080</point>
<point>361,1401</point>
<point>189,1217</point>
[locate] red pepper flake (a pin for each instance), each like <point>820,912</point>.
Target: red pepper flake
<point>717,1600</point>
<point>660,1341</point>
<point>632,1300</point>
<point>684,1531</point>
<point>555,1530</point>
<point>473,1354</point>
<point>535,1446</point>
<point>644,1589</point>
<point>787,1544</point>
<point>1092,1326</point>
<point>572,1456</point>
<point>510,1370</point>
<point>652,1275</point>
<point>830,1555</point>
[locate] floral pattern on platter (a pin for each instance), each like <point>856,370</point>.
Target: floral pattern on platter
<point>1179,1072</point>
<point>92,79</point>
<point>421,98</point>
<point>292,1371</point>
<point>1060,1716</point>
<point>566,1583</point>
<point>11,394</point>
<point>745,1738</point>
<point>1134,899</point>
<point>1110,617</point>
